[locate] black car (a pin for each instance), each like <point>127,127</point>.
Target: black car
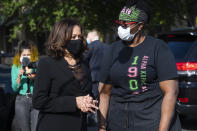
<point>5,74</point>
<point>183,43</point>
<point>5,78</point>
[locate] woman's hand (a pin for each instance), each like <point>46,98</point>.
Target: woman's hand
<point>31,76</point>
<point>20,73</point>
<point>89,99</point>
<point>86,103</point>
<point>29,73</point>
<point>80,103</point>
<point>28,70</point>
<point>90,103</point>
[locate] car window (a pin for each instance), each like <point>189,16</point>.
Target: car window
<point>179,48</point>
<point>192,52</point>
<point>5,78</point>
<point>4,68</point>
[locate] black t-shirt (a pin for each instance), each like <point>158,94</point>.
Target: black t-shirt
<point>135,72</point>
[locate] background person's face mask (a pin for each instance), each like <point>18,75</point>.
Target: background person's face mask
<point>125,33</point>
<point>88,41</point>
<point>21,58</point>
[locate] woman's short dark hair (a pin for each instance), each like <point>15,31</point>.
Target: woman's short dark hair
<point>60,36</point>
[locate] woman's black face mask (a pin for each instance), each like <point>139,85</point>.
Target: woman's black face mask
<point>75,47</point>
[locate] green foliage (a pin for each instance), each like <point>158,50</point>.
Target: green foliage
<point>40,15</point>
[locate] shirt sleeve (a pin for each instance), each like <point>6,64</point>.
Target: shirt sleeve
<point>165,62</point>
<point>14,75</point>
<point>104,75</point>
<point>41,99</point>
<point>88,54</point>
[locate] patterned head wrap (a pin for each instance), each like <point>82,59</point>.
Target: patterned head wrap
<point>133,11</point>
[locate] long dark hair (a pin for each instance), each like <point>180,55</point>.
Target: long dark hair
<point>60,35</point>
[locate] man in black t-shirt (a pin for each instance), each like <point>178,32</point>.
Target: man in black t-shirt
<point>140,78</point>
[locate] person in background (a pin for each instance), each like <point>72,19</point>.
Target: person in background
<point>63,82</point>
<point>140,78</point>
<point>94,58</point>
<point>92,35</point>
<point>23,83</point>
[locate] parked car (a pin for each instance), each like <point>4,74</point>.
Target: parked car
<point>5,78</point>
<point>5,72</point>
<point>183,43</point>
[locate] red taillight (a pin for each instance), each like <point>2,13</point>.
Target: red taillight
<point>186,66</point>
<point>183,99</point>
<point>171,36</point>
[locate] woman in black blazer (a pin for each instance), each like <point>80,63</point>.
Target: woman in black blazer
<point>63,81</point>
